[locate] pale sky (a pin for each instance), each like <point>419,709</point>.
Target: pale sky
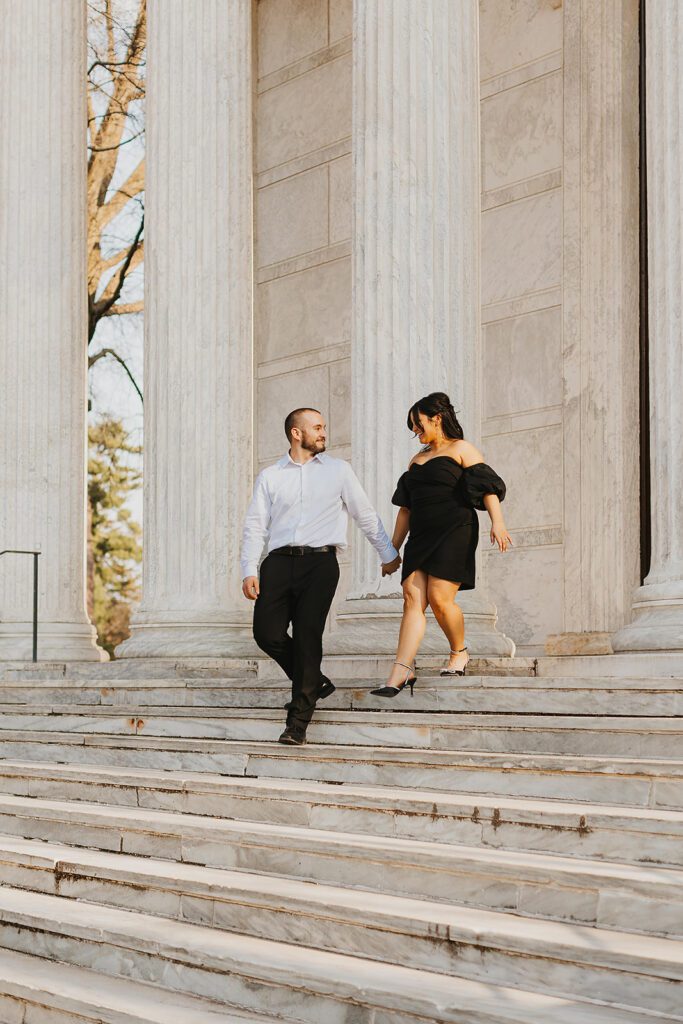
<point>110,390</point>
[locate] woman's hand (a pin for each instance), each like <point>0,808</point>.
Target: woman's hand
<point>389,567</point>
<point>500,536</point>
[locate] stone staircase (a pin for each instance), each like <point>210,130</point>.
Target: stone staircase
<point>501,849</point>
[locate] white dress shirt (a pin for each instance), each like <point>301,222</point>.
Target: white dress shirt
<point>308,503</point>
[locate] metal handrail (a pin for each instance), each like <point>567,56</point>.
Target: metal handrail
<point>36,556</point>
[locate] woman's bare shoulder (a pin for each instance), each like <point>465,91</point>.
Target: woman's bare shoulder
<point>465,452</point>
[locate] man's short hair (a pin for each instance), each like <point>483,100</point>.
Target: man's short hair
<point>294,419</point>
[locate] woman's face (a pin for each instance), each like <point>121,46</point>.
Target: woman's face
<point>426,428</point>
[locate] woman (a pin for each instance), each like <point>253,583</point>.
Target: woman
<point>444,484</point>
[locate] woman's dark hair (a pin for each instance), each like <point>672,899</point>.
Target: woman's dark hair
<point>432,405</point>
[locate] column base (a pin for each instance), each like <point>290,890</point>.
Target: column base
<point>657,619</point>
<point>57,641</point>
<point>568,644</point>
<point>370,625</point>
<point>209,635</point>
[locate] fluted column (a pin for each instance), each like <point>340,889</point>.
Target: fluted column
<point>416,266</point>
<point>43,326</point>
<point>658,605</point>
<point>198,328</point>
<point>600,323</point>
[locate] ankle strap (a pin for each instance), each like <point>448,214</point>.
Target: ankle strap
<point>458,652</point>
<point>403,665</point>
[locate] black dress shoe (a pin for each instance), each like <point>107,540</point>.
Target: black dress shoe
<point>326,688</point>
<point>293,737</point>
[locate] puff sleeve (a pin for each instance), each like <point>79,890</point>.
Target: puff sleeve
<point>401,495</point>
<point>480,480</point>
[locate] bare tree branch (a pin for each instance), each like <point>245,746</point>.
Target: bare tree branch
<point>113,289</point>
<point>118,145</point>
<point>126,307</point>
<point>103,353</point>
<point>113,261</point>
<point>117,41</point>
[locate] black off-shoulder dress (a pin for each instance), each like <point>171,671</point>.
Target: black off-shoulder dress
<point>442,497</point>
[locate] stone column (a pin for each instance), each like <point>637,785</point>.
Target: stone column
<point>43,327</point>
<point>198,329</point>
<point>658,605</point>
<point>416,302</point>
<point>600,323</point>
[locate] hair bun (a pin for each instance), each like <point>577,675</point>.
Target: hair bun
<point>437,403</point>
<point>441,399</point>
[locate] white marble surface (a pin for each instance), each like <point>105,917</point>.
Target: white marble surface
<point>658,605</point>
<point>521,356</point>
<point>303,312</point>
<point>518,33</point>
<point>536,224</point>
<point>291,217</point>
<point>600,315</point>
<point>44,992</point>
<point>253,972</point>
<point>416,271</point>
<point>521,132</point>
<point>43,328</point>
<point>569,777</point>
<point>289,30</point>
<point>644,968</point>
<point>198,331</point>
<point>344,919</point>
<point>304,114</point>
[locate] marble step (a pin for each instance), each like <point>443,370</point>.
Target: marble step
<point>621,780</point>
<point>648,665</point>
<point>356,826</point>
<point>299,775</point>
<point>639,899</point>
<point>431,936</point>
<point>490,695</point>
<point>34,990</point>
<point>655,665</point>
<point>261,668</point>
<point>313,985</point>
<point>285,786</point>
<point>89,678</point>
<point>562,734</point>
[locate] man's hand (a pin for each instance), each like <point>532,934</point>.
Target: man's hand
<point>389,567</point>
<point>250,587</point>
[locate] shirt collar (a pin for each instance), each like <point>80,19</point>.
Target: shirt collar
<point>287,459</point>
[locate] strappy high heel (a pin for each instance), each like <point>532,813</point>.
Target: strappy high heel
<point>392,691</point>
<point>456,671</point>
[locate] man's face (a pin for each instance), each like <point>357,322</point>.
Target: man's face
<point>313,432</point>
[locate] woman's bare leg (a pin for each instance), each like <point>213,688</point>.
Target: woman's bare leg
<point>441,597</point>
<point>413,624</point>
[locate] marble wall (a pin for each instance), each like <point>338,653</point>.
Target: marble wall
<point>542,356</point>
<point>559,126</point>
<point>521,65</point>
<point>302,214</point>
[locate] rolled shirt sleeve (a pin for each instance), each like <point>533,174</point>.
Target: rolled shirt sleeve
<point>255,532</point>
<point>359,508</point>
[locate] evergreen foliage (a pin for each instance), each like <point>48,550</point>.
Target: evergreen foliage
<point>115,537</point>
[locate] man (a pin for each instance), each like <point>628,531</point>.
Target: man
<point>301,506</point>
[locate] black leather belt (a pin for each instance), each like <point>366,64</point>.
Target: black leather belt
<point>303,549</point>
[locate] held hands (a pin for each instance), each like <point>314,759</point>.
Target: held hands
<point>500,536</point>
<point>390,567</point>
<point>250,587</point>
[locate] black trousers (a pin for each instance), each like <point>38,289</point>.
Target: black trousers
<point>296,589</point>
